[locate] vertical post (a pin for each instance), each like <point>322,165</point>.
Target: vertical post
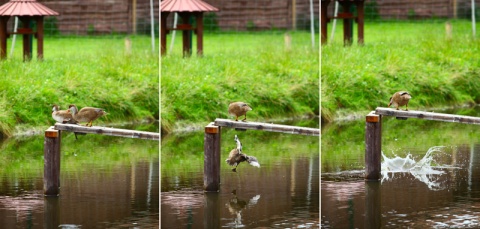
<point>360,20</point>
<point>163,33</point>
<point>347,24</point>
<point>3,37</point>
<point>39,36</point>
<point>51,166</point>
<point>27,54</point>
<point>199,31</point>
<point>373,146</point>
<point>211,163</point>
<point>186,34</point>
<point>324,20</point>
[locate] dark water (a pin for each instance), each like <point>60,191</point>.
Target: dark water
<point>404,201</point>
<point>282,193</point>
<point>106,182</point>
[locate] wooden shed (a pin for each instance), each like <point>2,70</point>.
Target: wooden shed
<point>185,9</point>
<point>26,11</point>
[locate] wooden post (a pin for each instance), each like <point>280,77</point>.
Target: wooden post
<point>39,36</point>
<point>324,20</point>
<point>163,33</point>
<point>199,31</point>
<point>360,20</point>
<point>211,166</point>
<point>51,168</point>
<point>186,34</point>
<point>3,37</point>
<point>347,24</point>
<point>373,146</point>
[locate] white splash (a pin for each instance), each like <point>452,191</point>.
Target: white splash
<point>424,170</point>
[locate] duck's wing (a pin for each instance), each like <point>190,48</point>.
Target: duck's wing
<point>253,161</point>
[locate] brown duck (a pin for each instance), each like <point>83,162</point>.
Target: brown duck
<point>236,156</point>
<point>399,99</point>
<point>62,116</point>
<point>86,114</point>
<point>238,109</point>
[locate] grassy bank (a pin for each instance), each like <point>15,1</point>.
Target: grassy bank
<point>86,71</point>
<point>412,56</point>
<point>252,67</point>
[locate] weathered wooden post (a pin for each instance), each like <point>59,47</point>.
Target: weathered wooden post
<point>51,166</point>
<point>211,166</point>
<point>373,146</point>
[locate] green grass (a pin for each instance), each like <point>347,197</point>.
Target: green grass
<point>86,71</point>
<point>251,67</point>
<point>412,56</point>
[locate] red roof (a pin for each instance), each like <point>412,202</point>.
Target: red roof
<point>186,6</point>
<point>25,8</point>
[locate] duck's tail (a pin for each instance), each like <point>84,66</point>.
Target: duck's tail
<point>253,161</point>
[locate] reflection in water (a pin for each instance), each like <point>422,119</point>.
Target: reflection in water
<point>425,170</point>
<point>106,183</point>
<point>235,207</point>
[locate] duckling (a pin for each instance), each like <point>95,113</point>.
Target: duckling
<point>399,99</point>
<point>62,116</point>
<point>86,114</point>
<point>236,156</point>
<point>238,109</point>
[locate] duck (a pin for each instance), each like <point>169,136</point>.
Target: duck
<point>86,114</point>
<point>62,116</point>
<point>399,99</point>
<point>238,109</point>
<point>236,156</point>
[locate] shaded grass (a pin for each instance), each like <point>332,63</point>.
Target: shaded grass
<point>411,56</point>
<point>85,71</point>
<point>254,68</point>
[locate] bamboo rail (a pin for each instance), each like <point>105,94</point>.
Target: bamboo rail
<point>267,127</point>
<point>52,151</point>
<point>373,132</point>
<point>212,140</point>
<point>428,115</point>
<point>108,131</point>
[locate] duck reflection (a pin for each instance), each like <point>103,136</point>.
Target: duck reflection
<point>236,205</point>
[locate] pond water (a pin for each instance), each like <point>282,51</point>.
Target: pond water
<point>431,175</point>
<point>106,182</point>
<point>282,193</point>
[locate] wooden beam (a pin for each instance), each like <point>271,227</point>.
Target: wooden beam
<point>427,115</point>
<point>267,127</point>
<point>108,131</point>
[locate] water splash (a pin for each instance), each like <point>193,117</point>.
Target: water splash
<point>424,170</point>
